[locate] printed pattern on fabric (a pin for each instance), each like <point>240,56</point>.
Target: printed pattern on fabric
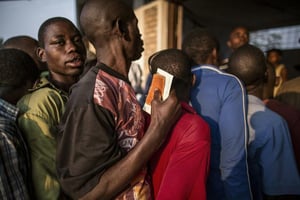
<point>119,98</point>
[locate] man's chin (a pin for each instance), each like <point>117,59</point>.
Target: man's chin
<point>136,57</point>
<point>76,71</point>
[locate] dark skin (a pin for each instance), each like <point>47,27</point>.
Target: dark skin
<point>117,41</point>
<point>64,53</point>
<point>29,45</point>
<point>238,37</point>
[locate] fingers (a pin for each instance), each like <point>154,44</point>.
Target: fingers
<point>157,95</point>
<point>171,104</point>
<point>165,112</point>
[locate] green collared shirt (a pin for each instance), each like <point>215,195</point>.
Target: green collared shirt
<point>40,113</point>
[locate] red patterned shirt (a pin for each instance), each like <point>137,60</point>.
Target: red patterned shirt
<point>102,109</point>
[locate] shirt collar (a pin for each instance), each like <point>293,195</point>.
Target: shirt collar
<point>187,108</point>
<point>112,72</point>
<point>44,82</point>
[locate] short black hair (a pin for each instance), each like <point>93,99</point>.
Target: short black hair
<point>173,61</point>
<point>248,63</point>
<point>198,45</point>
<point>16,67</point>
<point>14,41</point>
<point>278,51</point>
<point>48,22</point>
<point>177,63</point>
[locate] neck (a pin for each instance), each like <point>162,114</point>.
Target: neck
<point>255,90</point>
<point>115,60</point>
<point>63,83</point>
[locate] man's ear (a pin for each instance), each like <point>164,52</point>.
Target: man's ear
<point>121,29</point>
<point>41,54</point>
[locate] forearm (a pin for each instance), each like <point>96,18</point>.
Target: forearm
<point>116,178</point>
<point>120,175</point>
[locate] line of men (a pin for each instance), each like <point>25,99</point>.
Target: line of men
<point>88,137</point>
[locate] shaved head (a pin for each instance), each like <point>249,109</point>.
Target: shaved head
<point>248,63</point>
<point>98,17</point>
<point>26,44</point>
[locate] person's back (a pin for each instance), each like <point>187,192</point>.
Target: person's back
<point>61,47</point>
<point>288,112</point>
<point>17,74</point>
<point>220,99</point>
<point>271,158</point>
<point>188,146</point>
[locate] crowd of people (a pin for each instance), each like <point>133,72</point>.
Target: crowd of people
<point>72,125</point>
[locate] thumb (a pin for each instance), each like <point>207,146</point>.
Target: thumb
<point>157,95</point>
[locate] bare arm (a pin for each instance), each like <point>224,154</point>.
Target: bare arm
<point>117,177</point>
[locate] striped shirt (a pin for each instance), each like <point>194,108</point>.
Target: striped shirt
<point>14,157</point>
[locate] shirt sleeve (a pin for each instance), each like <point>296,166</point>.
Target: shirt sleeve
<point>42,145</point>
<point>234,134</point>
<point>86,148</point>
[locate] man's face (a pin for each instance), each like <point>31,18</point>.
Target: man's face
<point>274,58</point>
<point>238,37</point>
<point>63,50</point>
<point>135,42</point>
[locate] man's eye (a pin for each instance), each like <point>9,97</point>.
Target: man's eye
<point>77,39</point>
<point>59,42</point>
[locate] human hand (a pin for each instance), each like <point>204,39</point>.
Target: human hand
<point>164,113</point>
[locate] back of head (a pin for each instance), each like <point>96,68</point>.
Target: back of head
<point>177,63</point>
<point>22,42</point>
<point>26,44</point>
<point>44,26</point>
<point>98,17</point>
<point>199,44</point>
<point>248,64</point>
<point>16,69</point>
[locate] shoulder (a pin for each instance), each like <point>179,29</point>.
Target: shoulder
<point>210,72</point>
<point>265,117</point>
<point>42,102</point>
<point>192,122</point>
<point>41,96</point>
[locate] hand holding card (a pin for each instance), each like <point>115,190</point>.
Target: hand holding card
<point>162,81</point>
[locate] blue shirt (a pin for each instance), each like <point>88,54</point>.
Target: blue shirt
<point>14,157</point>
<point>271,158</point>
<point>220,99</point>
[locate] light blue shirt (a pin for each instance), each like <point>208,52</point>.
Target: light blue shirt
<point>272,163</point>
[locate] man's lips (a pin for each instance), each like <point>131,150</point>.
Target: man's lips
<point>75,62</point>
